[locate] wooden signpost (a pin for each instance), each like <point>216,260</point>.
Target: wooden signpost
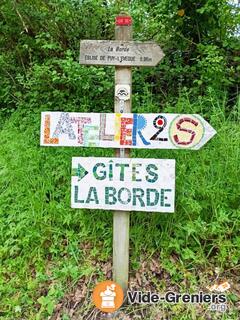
<point>120,53</point>
<point>122,103</point>
<point>120,183</point>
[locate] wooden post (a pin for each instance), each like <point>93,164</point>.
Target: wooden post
<point>123,76</point>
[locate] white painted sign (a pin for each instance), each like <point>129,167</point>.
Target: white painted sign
<point>120,53</point>
<point>123,184</point>
<point>125,130</point>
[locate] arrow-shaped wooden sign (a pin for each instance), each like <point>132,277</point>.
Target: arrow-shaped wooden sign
<point>120,53</point>
<point>125,130</point>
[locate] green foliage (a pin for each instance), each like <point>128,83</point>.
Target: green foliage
<point>42,241</point>
<point>41,236</point>
<point>199,43</point>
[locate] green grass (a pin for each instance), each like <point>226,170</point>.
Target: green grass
<point>46,247</point>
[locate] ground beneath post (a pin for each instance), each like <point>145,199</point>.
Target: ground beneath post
<point>77,304</point>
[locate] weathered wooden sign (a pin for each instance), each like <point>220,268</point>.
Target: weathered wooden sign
<point>120,53</point>
<point>125,130</point>
<point>123,184</point>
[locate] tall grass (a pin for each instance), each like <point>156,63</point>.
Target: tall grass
<point>43,240</point>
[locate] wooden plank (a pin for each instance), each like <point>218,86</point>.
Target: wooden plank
<point>120,52</point>
<point>121,219</point>
<point>123,184</point>
<point>125,130</point>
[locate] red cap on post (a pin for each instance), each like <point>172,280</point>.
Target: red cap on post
<point>123,21</point>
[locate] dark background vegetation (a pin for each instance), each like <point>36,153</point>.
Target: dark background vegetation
<point>48,250</point>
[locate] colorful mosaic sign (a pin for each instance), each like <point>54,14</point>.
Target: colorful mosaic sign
<point>123,184</point>
<point>120,53</point>
<point>125,130</point>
